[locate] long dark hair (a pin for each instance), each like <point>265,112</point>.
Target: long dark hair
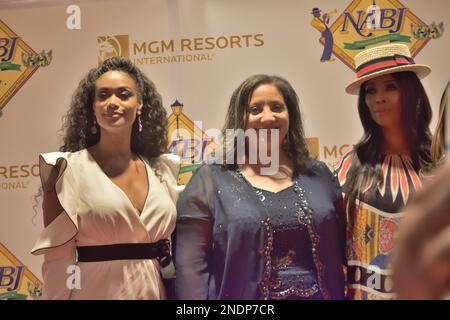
<point>150,143</point>
<point>368,153</point>
<point>438,144</point>
<point>296,145</point>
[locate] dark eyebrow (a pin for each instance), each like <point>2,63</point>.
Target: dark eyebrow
<point>119,88</point>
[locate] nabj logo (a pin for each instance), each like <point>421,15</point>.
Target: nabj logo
<point>367,23</point>
<point>17,63</point>
<point>16,280</point>
<point>187,140</point>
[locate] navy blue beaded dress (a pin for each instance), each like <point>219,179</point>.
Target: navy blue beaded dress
<point>234,241</point>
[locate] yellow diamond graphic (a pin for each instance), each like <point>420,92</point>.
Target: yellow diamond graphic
<point>361,26</point>
<point>313,145</point>
<point>188,141</point>
<point>16,280</point>
<point>13,74</point>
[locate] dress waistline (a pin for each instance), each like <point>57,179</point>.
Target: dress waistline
<point>125,251</point>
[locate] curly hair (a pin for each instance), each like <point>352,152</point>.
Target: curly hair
<point>296,145</point>
<point>151,142</point>
<point>368,152</point>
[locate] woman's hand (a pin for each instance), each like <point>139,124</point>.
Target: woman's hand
<point>51,205</point>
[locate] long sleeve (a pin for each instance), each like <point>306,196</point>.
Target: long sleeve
<point>194,237</point>
<point>341,217</point>
<point>332,235</point>
<point>341,222</point>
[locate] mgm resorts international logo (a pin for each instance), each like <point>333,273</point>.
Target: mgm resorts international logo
<point>198,49</point>
<point>17,63</point>
<point>17,177</point>
<point>365,23</point>
<point>17,282</point>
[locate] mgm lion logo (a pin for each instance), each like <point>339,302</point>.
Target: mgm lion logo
<point>112,46</point>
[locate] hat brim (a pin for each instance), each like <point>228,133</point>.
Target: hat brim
<point>420,69</point>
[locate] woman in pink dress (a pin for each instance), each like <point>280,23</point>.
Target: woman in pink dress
<point>110,194</point>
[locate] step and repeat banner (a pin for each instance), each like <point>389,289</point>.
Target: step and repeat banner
<point>197,52</point>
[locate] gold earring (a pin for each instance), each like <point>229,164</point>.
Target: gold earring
<point>94,126</point>
<point>139,123</point>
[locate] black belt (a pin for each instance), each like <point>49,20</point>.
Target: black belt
<point>125,251</point>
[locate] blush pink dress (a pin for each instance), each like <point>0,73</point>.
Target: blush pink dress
<point>97,212</point>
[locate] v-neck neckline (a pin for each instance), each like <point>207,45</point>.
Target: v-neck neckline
<point>238,175</point>
<point>138,213</point>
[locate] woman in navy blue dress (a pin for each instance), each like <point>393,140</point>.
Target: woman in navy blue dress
<point>249,228</point>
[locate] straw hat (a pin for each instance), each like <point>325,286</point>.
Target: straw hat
<point>382,60</point>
